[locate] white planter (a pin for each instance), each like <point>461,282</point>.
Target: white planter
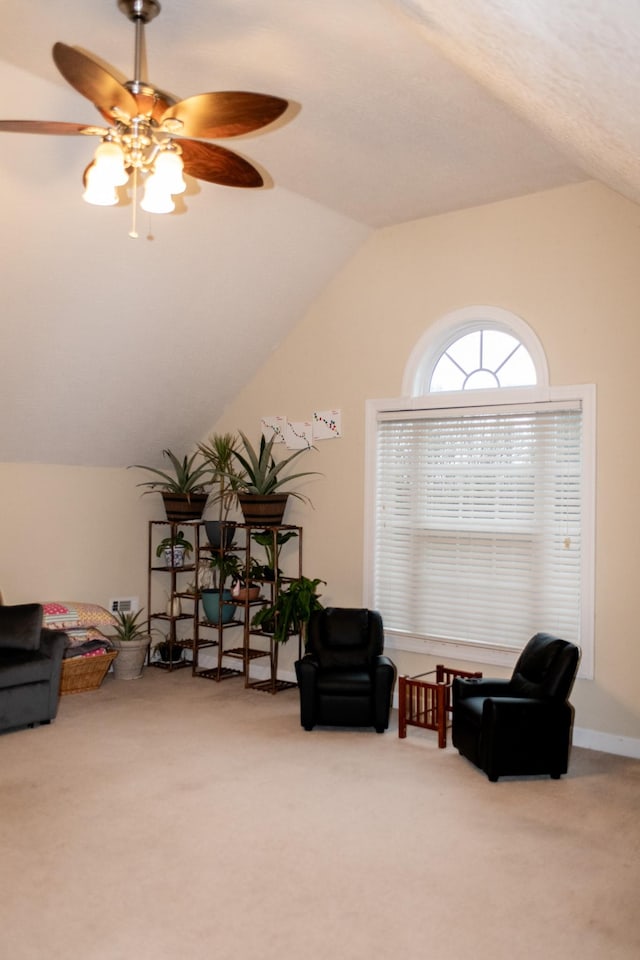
<point>132,654</point>
<point>174,556</point>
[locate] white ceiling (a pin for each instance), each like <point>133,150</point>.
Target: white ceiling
<point>400,109</point>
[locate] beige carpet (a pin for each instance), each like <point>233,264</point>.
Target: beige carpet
<point>173,818</point>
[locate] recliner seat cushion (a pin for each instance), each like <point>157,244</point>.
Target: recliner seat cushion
<point>344,683</point>
<point>20,626</point>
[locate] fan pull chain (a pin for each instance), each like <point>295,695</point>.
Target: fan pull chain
<point>134,212</point>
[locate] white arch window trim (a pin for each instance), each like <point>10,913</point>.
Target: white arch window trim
<point>418,372</point>
<point>442,334</point>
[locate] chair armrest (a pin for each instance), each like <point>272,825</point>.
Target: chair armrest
<point>306,674</point>
<point>53,643</point>
<point>383,665</point>
<point>384,678</point>
<point>503,707</point>
<point>463,688</point>
<point>307,667</point>
<point>509,712</point>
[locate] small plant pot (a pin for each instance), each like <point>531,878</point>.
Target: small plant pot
<point>169,653</point>
<point>243,594</point>
<point>219,534</point>
<point>173,556</point>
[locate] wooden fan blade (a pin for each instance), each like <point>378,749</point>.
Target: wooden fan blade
<point>93,82</point>
<point>225,114</point>
<point>207,161</point>
<point>51,126</point>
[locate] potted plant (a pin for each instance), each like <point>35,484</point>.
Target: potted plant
<point>174,548</point>
<point>246,587</point>
<point>291,609</point>
<point>260,487</point>
<point>218,454</point>
<point>167,652</point>
<point>131,638</point>
<point>225,566</point>
<point>271,540</point>
<point>184,490</point>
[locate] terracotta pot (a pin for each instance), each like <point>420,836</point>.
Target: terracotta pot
<point>246,593</point>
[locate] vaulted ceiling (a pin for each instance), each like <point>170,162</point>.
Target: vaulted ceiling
<point>113,348</point>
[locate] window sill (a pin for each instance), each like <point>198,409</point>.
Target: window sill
<point>471,652</point>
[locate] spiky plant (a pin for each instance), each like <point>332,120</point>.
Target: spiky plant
<point>262,472</point>
<point>218,454</point>
<point>187,477</point>
<point>127,626</point>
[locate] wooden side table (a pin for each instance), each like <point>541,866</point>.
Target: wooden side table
<point>427,703</point>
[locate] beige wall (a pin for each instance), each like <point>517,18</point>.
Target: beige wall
<point>566,261</point>
<point>73,533</point>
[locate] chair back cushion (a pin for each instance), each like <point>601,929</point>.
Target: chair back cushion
<point>546,668</point>
<point>345,637</point>
<point>20,626</point>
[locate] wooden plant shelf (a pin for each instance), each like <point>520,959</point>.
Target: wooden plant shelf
<point>170,665</point>
<point>271,686</point>
<point>213,673</point>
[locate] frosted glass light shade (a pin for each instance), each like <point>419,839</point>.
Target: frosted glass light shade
<point>156,199</point>
<point>168,168</point>
<point>109,159</point>
<point>98,190</point>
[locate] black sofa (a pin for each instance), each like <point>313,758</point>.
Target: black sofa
<point>30,667</point>
<point>344,679</point>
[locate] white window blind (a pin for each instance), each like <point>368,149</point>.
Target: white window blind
<point>478,522</point>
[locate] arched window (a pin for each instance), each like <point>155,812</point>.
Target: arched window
<point>476,348</point>
<point>480,496</point>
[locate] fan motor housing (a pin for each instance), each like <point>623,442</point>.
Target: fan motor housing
<point>144,10</point>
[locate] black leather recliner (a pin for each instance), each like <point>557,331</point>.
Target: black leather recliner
<point>520,726</point>
<point>30,667</point>
<point>344,679</point>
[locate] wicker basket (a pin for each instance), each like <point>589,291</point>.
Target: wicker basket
<point>80,674</point>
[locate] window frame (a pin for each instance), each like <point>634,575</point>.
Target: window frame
<point>474,651</point>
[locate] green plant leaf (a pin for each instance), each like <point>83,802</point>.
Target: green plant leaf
<point>187,477</point>
<point>262,471</point>
<point>292,608</point>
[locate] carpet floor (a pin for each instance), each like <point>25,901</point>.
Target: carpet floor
<point>173,818</point>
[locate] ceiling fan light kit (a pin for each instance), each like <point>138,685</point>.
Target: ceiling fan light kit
<point>148,138</point>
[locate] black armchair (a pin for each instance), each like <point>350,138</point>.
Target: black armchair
<point>30,667</point>
<point>520,726</point>
<point>344,679</point>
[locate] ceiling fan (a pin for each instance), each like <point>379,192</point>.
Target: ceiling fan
<point>148,137</point>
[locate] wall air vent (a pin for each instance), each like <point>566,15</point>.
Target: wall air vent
<point>124,605</point>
